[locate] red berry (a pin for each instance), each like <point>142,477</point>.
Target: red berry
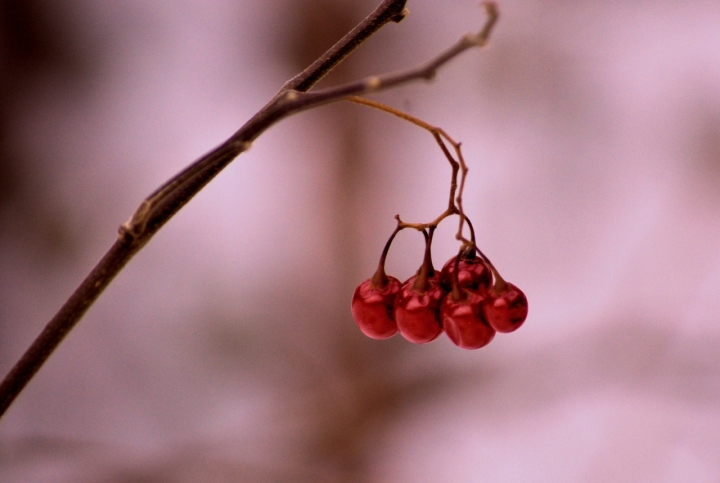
<point>505,307</point>
<point>372,308</point>
<point>417,310</point>
<point>373,301</point>
<point>463,320</point>
<point>417,306</point>
<point>473,273</point>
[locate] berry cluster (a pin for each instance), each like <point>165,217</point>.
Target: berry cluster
<point>468,299</point>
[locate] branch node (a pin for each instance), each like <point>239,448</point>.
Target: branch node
<point>137,223</point>
<point>404,13</point>
<point>125,229</point>
<point>372,83</point>
<point>473,39</point>
<point>242,146</point>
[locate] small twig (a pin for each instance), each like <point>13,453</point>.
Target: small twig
<point>163,203</point>
<point>376,83</point>
<point>455,202</point>
<point>437,133</point>
<point>458,200</point>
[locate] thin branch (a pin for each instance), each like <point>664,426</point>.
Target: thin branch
<point>427,71</point>
<point>438,134</point>
<point>389,10</point>
<point>455,202</point>
<point>163,203</point>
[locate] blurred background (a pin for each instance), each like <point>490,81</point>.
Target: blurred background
<point>225,351</point>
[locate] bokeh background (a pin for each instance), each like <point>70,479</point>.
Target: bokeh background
<point>225,351</point>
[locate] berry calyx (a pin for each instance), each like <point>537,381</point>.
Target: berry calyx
<point>506,306</point>
<point>373,301</point>
<point>417,306</point>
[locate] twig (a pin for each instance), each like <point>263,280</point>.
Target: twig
<point>167,200</point>
<point>454,203</point>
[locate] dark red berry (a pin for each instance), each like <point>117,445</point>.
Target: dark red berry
<point>505,307</point>
<point>464,322</point>
<point>373,310</point>
<point>473,273</point>
<point>417,310</point>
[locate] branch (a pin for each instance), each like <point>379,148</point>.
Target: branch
<point>455,166</point>
<point>163,203</point>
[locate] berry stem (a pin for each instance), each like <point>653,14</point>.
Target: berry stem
<point>500,284</point>
<point>426,269</point>
<point>472,230</point>
<point>469,249</point>
<point>458,293</point>
<point>380,279</point>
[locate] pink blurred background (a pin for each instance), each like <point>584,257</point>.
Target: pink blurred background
<point>226,351</point>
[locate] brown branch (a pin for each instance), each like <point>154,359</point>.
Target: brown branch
<point>454,203</point>
<point>162,204</point>
<point>437,133</point>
